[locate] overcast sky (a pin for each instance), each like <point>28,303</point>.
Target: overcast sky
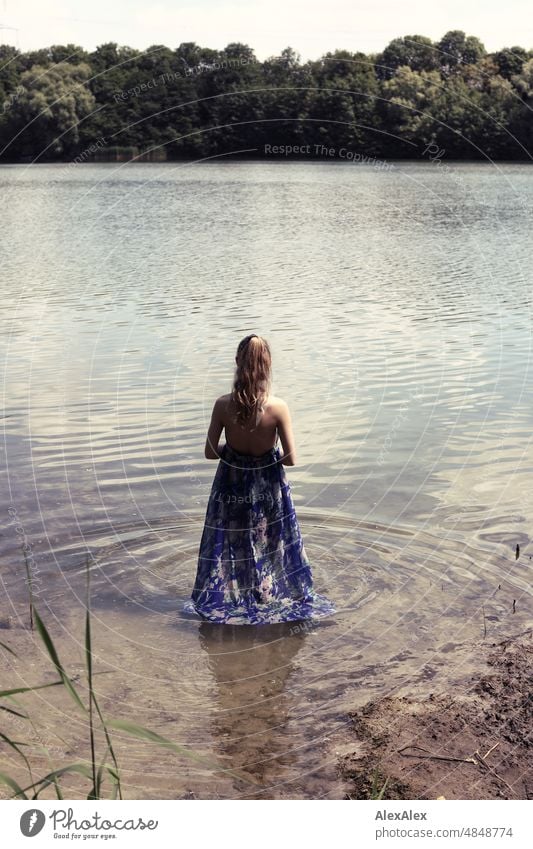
<point>310,27</point>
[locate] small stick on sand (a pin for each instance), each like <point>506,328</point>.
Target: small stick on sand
<point>492,771</point>
<point>491,750</point>
<point>477,760</point>
<point>432,756</point>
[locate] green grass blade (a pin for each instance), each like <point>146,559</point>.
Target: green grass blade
<point>58,789</point>
<point>6,693</point>
<point>113,773</point>
<point>151,736</point>
<point>5,779</point>
<point>100,774</point>
<point>47,640</point>
<point>14,744</point>
<point>89,663</point>
<point>14,712</point>
<point>51,777</point>
<point>374,789</point>
<point>114,792</point>
<point>6,648</point>
<point>29,581</point>
<point>145,734</point>
<point>88,648</point>
<point>109,743</point>
<point>382,791</point>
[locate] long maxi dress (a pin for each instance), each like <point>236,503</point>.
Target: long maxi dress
<point>252,564</point>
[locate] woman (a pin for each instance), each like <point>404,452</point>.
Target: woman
<point>252,565</point>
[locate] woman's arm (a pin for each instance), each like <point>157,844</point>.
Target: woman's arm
<point>211,450</point>
<point>286,435</point>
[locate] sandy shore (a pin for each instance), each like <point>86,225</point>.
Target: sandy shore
<point>476,743</point>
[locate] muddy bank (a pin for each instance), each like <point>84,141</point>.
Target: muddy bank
<point>472,742</point>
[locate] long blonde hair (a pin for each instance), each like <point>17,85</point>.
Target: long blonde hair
<point>253,376</point>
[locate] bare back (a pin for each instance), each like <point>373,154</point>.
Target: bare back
<point>255,438</point>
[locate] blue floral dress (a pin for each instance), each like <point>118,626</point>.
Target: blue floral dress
<point>252,565</point>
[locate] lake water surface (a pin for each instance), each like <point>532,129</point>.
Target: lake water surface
<point>398,306</point>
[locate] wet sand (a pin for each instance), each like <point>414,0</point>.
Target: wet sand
<point>472,742</point>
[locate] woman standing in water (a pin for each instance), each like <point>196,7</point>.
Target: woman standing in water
<point>252,565</point>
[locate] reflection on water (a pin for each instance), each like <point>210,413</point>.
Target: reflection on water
<point>252,668</point>
<point>398,305</point>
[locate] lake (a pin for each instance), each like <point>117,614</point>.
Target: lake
<point>397,303</point>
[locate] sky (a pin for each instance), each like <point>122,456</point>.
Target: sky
<point>312,28</point>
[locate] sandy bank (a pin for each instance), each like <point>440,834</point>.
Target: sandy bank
<point>475,743</point>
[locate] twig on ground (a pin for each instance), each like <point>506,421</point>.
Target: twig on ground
<point>430,755</point>
<point>491,749</point>
<point>482,762</point>
<point>477,759</point>
<point>508,640</point>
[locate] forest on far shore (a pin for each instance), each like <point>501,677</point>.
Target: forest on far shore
<point>62,103</point>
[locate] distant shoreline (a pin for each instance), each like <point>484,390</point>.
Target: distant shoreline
<point>226,158</point>
<point>446,100</point>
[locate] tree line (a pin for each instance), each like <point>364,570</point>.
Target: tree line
<point>64,103</point>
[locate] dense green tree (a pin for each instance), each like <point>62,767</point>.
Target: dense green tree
<point>68,53</point>
<point>47,113</point>
<point>510,60</point>
<point>193,101</point>
<point>345,98</point>
<point>289,59</point>
<point>9,71</point>
<point>459,119</point>
<point>521,115</point>
<point>40,57</point>
<point>477,76</point>
<point>231,101</point>
<point>194,59</point>
<point>415,51</point>
<point>523,82</point>
<point>155,60</point>
<point>456,49</point>
<point>289,90</point>
<point>409,99</point>
<point>498,103</point>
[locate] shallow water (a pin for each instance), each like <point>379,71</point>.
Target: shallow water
<point>398,304</point>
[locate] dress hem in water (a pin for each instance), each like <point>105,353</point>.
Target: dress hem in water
<point>317,608</point>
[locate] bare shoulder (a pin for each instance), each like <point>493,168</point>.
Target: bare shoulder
<point>223,399</point>
<point>221,403</point>
<point>277,405</point>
